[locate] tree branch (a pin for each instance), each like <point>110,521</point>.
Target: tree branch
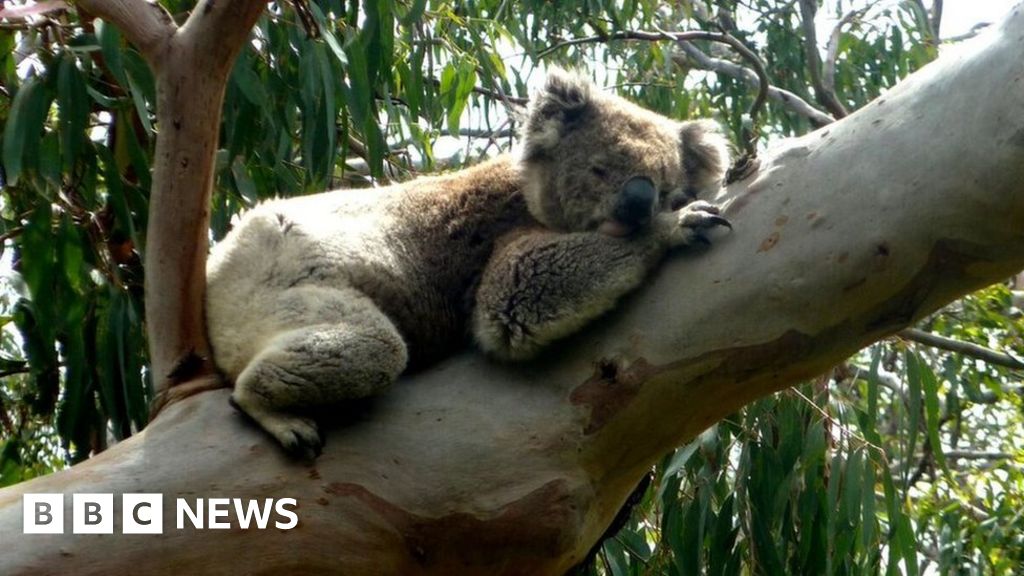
<point>974,31</point>
<point>987,355</point>
<point>824,94</point>
<point>832,48</point>
<point>750,133</point>
<point>217,30</point>
<point>191,79</point>
<point>500,97</point>
<point>977,455</point>
<point>145,24</point>
<point>694,57</point>
<point>936,17</point>
<point>845,236</point>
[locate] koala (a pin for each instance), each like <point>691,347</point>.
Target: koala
<point>316,300</point>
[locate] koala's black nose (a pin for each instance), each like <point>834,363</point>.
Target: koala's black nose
<point>636,202</point>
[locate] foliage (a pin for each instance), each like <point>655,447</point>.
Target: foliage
<point>841,475</point>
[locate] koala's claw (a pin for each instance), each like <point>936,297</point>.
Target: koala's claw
<point>299,436</point>
<point>719,220</point>
<point>695,220</point>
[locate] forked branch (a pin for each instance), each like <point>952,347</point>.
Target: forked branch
<point>145,24</point>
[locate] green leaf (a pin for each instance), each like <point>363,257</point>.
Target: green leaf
<point>76,409</point>
<point>25,126</point>
<point>868,518</point>
<point>72,259</point>
<point>723,538</point>
<point>460,86</point>
<point>359,93</point>
<point>634,543</point>
<point>853,483</point>
<point>618,565</point>
<point>142,87</point>
<point>415,13</point>
<point>327,32</point>
<point>131,347</point>
<point>243,182</point>
<point>103,100</point>
<point>248,81</point>
<point>679,459</point>
<point>913,429</point>
<point>108,375</point>
<point>111,47</point>
<point>930,387</point>
<point>326,155</point>
<point>73,110</point>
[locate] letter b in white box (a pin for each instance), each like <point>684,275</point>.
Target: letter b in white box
<point>92,514</point>
<point>42,514</point>
<point>142,514</point>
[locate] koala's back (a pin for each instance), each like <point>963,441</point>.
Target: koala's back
<point>414,249</point>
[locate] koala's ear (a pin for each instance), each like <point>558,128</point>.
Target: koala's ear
<point>553,111</point>
<point>705,153</point>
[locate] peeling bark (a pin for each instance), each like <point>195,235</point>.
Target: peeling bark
<point>844,236</point>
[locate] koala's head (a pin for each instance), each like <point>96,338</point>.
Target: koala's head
<point>594,161</point>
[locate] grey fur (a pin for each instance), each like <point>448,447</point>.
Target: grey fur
<point>325,298</point>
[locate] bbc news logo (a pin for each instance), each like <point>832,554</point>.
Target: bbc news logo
<point>144,513</point>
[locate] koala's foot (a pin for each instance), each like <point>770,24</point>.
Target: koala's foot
<point>694,221</point>
<point>299,436</point>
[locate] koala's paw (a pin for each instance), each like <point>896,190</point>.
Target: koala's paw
<point>695,221</point>
<point>299,436</point>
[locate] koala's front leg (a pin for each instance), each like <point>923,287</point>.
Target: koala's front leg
<point>542,285</point>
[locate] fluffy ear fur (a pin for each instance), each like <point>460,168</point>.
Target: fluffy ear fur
<point>705,153</point>
<point>554,110</point>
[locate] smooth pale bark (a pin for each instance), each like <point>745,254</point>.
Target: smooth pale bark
<point>844,236</point>
<point>191,64</point>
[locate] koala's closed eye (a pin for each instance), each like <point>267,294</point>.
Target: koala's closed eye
<point>599,171</point>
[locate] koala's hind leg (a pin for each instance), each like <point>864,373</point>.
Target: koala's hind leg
<point>328,345</point>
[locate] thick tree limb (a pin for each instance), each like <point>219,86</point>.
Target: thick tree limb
<point>191,78</point>
<point>145,24</point>
<point>216,30</point>
<point>846,235</point>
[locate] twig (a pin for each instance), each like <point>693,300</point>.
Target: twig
<point>11,233</point>
<point>846,431</point>
<point>306,18</point>
<point>15,371</point>
<point>976,455</point>
<point>500,96</point>
<point>960,347</point>
<point>967,35</point>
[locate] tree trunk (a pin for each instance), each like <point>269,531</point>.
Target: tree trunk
<point>844,236</point>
